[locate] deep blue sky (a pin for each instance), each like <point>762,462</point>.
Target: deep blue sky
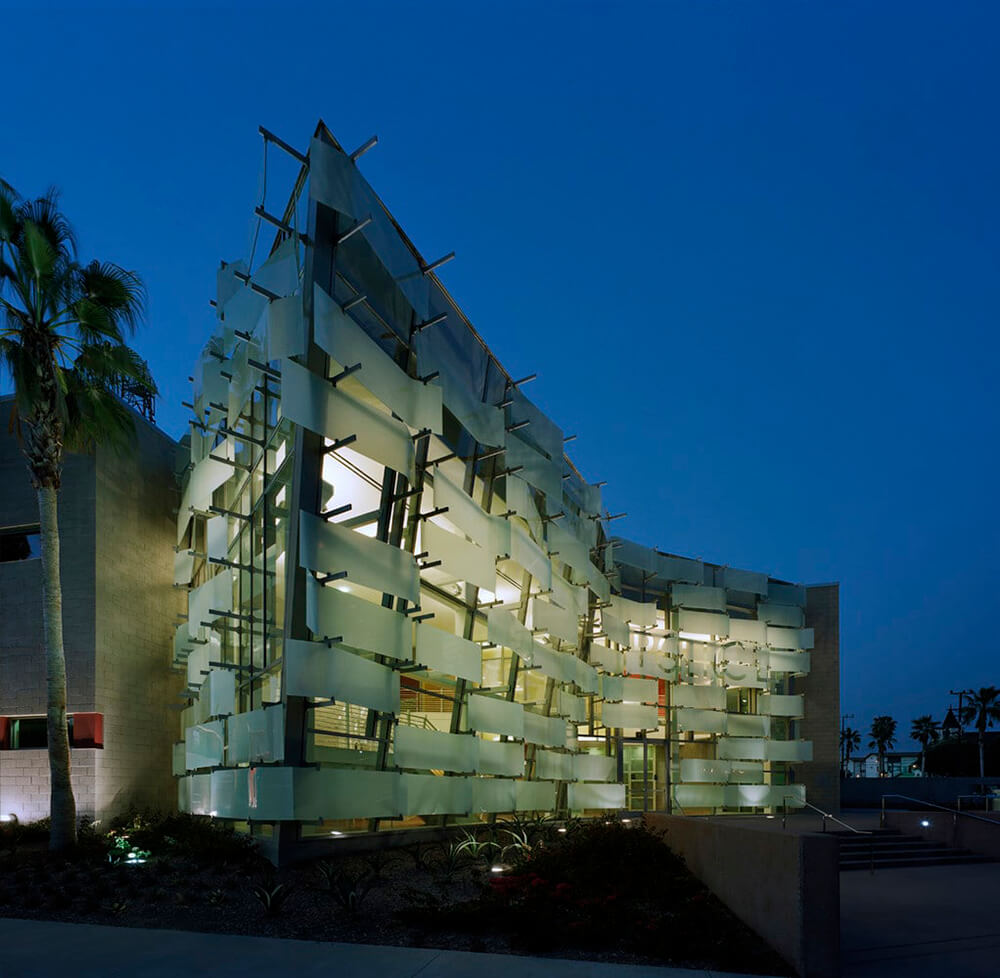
<point>750,248</point>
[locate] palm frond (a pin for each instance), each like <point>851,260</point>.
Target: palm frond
<point>9,222</point>
<point>38,252</point>
<point>44,213</point>
<point>117,290</point>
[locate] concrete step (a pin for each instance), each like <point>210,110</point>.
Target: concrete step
<point>952,857</point>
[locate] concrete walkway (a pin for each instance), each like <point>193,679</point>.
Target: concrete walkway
<point>41,949</point>
<point>921,922</point>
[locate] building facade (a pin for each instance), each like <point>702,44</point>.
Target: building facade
<point>116,522</point>
<point>404,603</point>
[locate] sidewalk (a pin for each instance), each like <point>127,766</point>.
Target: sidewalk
<point>42,949</point>
<point>921,922</point>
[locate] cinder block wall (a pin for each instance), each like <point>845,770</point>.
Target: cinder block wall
<point>136,607</point>
<point>821,724</point>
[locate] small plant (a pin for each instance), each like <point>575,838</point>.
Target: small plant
<point>119,907</point>
<point>216,898</point>
<point>272,897</point>
<point>350,888</point>
<point>477,848</point>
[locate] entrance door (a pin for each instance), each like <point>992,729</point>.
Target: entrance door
<point>644,773</point>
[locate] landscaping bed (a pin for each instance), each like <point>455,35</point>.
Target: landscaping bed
<point>601,890</point>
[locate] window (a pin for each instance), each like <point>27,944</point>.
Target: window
<point>19,543</point>
<point>30,733</point>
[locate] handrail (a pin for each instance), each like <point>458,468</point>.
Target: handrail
<point>954,812</point>
<point>826,815</point>
<point>985,798</point>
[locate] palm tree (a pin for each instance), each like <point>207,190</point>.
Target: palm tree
<point>62,339</point>
<point>982,709</point>
<point>883,738</point>
<point>850,741</point>
<point>925,731</point>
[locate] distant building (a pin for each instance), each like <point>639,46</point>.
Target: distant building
<point>898,764</point>
<point>119,606</point>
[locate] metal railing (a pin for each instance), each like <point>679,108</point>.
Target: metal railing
<point>826,815</point>
<point>954,812</point>
<point>985,798</point>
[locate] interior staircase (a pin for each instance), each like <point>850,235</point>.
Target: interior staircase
<point>890,849</point>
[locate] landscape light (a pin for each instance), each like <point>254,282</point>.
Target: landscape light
<point>8,818</point>
<point>925,824</point>
<point>496,869</point>
<point>335,832</point>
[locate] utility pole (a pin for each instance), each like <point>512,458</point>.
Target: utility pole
<point>960,693</point>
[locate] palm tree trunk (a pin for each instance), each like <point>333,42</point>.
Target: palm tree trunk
<point>982,764</point>
<point>62,833</point>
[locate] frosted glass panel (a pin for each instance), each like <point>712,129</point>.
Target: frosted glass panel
<point>541,430</point>
<point>786,593</point>
<point>521,502</point>
<point>183,566</point>
<point>787,616</point>
<point>698,795</point>
<point>432,750</point>
<point>179,758</point>
<point>483,421</point>
<point>220,691</point>
<point>530,556</point>
<point>535,468</point>
<point>418,404</point>
<point>569,596</point>
<point>535,796</point>
<point>333,179</point>
<point>747,725</point>
<point>572,707</point>
<point>256,736</point>
<point>551,766</point>
<point>703,598</point>
<point>699,697</point>
<point>504,629</point>
<point>217,537</point>
<point>568,548</point>
<point>270,792</point>
<point>704,769</point>
<point>204,745</point>
<point>230,793</point>
<point>607,659</point>
<point>747,631</point>
<point>311,401</point>
<point>491,532</point>
<point>650,663</point>
<point>330,548</point>
<point>444,652</point>
<point>582,796</point>
<point>788,638</point>
<point>756,795</point>
<point>280,273</point>
<point>286,328</point>
<point>702,721</point>
<point>741,580</point>
<point>501,757</point>
<point>594,767</point>
<point>703,622</point>
<point>313,669</point>
<point>679,569</point>
<point>490,715</point>
<point>426,794</point>
<point>742,748</point>
<point>632,690</point>
<point>206,476</point>
<point>614,628</point>
<point>361,624</point>
<point>560,666</point>
<point>460,559</point>
<point>200,793</point>
<point>333,794</point>
<point>493,795</point>
<point>629,715</point>
<point>598,583</point>
<point>781,706</point>
<point>796,662</point>
<point>586,676</point>
<point>641,613</point>
<point>215,594</point>
<point>549,731</point>
<point>807,638</point>
<point>789,750</point>
<point>556,621</point>
<point>746,772</point>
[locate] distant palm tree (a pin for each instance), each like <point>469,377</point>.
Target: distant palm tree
<point>62,339</point>
<point>982,710</point>
<point>883,738</point>
<point>925,731</point>
<point>850,741</point>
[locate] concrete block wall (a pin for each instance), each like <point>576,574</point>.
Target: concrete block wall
<point>24,782</point>
<point>821,687</point>
<point>136,608</point>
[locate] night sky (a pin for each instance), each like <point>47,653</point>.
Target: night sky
<point>750,249</point>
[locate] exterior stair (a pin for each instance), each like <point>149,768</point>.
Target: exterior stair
<point>890,849</point>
